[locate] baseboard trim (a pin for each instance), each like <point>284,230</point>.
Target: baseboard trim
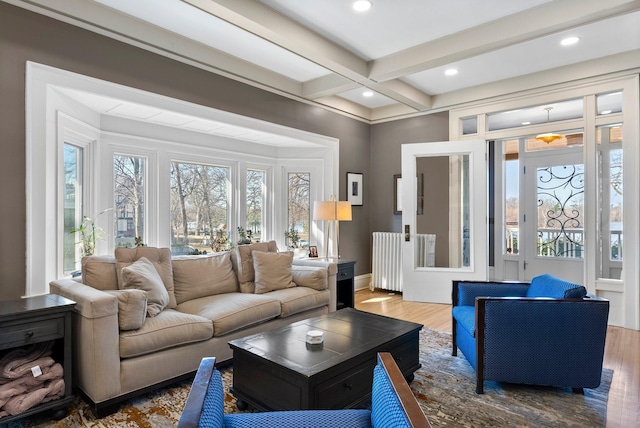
<point>362,281</point>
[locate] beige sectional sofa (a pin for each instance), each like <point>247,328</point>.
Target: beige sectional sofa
<point>144,319</point>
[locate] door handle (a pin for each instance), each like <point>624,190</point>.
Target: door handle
<point>407,233</point>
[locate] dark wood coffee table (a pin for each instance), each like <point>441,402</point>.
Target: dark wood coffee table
<point>277,370</point>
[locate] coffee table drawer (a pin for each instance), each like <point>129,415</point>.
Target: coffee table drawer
<point>347,387</point>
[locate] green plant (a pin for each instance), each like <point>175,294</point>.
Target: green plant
<point>89,234</point>
<point>243,236</point>
<point>292,237</point>
<point>220,239</point>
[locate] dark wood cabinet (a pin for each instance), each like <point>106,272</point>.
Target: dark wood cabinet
<point>32,320</point>
<point>345,284</point>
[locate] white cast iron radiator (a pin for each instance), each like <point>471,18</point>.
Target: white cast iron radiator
<point>387,258</point>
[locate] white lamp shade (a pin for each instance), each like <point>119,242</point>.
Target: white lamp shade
<point>324,210</point>
<point>343,211</point>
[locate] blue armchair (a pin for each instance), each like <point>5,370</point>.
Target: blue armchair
<point>547,332</point>
<point>392,405</point>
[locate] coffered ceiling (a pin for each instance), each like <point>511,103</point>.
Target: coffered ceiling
<point>324,52</point>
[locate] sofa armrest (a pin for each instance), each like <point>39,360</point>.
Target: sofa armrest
<point>91,302</point>
<point>332,272</point>
<point>464,293</point>
<point>96,340</point>
<point>392,401</point>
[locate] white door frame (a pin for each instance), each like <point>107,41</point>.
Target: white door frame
<point>433,284</point>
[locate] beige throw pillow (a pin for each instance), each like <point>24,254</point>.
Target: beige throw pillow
<point>142,275</point>
<point>159,257</point>
<point>273,271</point>
<point>310,276</point>
<point>132,308</point>
<point>243,263</point>
<point>200,276</point>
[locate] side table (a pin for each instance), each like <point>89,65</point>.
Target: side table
<point>345,284</point>
<point>25,322</point>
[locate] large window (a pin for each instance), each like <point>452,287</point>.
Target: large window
<point>609,139</point>
<point>129,200</point>
<point>255,204</point>
<point>73,215</point>
<point>199,205</point>
<point>299,208</point>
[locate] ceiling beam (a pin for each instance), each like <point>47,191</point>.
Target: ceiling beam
<point>540,21</point>
<point>262,21</point>
<point>324,86</point>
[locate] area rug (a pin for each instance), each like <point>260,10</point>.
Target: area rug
<point>444,387</point>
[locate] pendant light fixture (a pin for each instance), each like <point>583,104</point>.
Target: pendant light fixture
<point>549,137</point>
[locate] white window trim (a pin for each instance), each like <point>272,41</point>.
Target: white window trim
<point>43,151</point>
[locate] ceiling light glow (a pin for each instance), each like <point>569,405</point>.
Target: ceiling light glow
<point>570,41</point>
<point>367,94</point>
<point>526,123</point>
<point>451,72</point>
<point>605,112</point>
<point>362,5</point>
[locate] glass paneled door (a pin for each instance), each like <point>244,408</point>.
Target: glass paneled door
<point>554,221</point>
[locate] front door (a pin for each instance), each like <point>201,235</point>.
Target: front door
<point>554,216</point>
<point>444,217</point>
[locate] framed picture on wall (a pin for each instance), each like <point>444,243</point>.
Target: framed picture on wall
<point>355,188</point>
<point>397,194</point>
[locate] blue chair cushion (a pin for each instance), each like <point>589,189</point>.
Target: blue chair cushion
<point>301,419</point>
<point>213,407</point>
<point>549,286</point>
<point>386,409</point>
<point>466,318</point>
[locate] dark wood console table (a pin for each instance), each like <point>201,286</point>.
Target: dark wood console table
<point>25,322</point>
<point>345,284</point>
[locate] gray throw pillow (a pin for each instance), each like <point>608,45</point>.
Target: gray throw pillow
<point>142,275</point>
<point>272,271</point>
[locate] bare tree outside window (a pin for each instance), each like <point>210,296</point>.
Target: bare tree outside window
<point>255,201</point>
<point>199,205</point>
<point>129,194</point>
<point>299,205</point>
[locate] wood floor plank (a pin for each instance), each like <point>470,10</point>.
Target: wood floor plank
<point>622,349</point>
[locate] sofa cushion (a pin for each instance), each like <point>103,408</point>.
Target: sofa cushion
<point>549,286</point>
<point>99,272</point>
<point>299,299</point>
<point>161,259</point>
<point>243,263</point>
<point>200,276</point>
<point>272,271</point>
<point>132,308</point>
<point>233,311</point>
<point>310,276</point>
<point>170,328</point>
<point>142,275</point>
<point>466,318</point>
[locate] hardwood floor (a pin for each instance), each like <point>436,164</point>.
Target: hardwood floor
<point>622,349</point>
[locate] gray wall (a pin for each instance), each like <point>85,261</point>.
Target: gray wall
<point>386,140</point>
<point>26,36</point>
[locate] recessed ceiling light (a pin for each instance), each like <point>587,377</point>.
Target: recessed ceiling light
<point>570,41</point>
<point>526,123</point>
<point>367,94</point>
<point>605,112</point>
<point>451,71</point>
<point>362,5</point>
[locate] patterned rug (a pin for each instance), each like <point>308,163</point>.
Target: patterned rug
<point>444,386</point>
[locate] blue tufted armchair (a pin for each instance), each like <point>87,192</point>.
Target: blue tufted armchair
<point>392,405</point>
<point>547,332</point>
